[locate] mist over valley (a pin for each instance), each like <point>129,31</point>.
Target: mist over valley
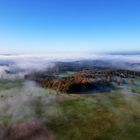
<point>53,95</point>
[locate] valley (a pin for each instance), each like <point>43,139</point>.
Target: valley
<point>70,101</point>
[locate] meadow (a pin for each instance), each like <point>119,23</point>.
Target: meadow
<point>100,116</point>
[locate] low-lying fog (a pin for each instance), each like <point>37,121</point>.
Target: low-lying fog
<point>16,66</point>
<point>21,100</point>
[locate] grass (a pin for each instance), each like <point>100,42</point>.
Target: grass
<point>5,120</point>
<point>108,116</point>
<point>136,89</point>
<point>5,85</point>
<point>101,117</point>
<point>137,79</point>
<point>66,74</point>
<point>135,86</point>
<point>84,117</point>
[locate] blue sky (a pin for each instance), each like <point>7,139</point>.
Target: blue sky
<point>41,26</point>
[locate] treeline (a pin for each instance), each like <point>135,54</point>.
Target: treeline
<point>85,80</point>
<point>80,82</point>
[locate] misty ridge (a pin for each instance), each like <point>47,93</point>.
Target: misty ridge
<point>25,105</point>
<point>17,66</point>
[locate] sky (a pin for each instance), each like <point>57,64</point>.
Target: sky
<point>42,26</point>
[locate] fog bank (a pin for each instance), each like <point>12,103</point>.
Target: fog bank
<point>16,66</point>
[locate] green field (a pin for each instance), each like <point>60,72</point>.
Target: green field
<point>100,116</point>
<point>5,85</point>
<point>83,117</point>
<point>66,74</point>
<point>135,88</point>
